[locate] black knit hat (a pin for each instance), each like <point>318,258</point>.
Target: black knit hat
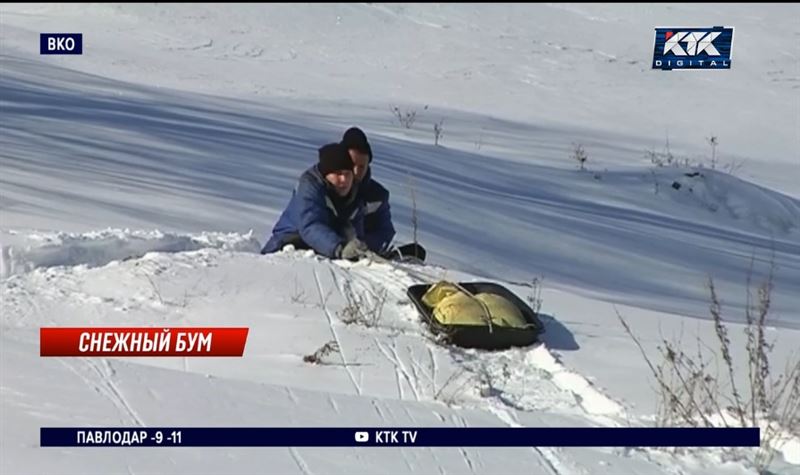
<point>356,139</point>
<point>334,157</point>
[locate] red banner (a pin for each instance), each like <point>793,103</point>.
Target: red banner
<point>175,341</point>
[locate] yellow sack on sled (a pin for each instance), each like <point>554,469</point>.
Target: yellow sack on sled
<point>452,306</point>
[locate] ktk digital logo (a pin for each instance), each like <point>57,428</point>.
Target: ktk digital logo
<point>693,48</point>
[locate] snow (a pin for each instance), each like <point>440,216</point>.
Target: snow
<point>388,375</point>
<point>22,253</point>
<point>140,179</point>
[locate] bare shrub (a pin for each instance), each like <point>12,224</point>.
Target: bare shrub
<point>579,155</point>
<point>437,132</point>
<point>156,290</point>
<point>713,142</point>
<point>535,298</point>
<point>691,391</point>
<point>318,356</point>
<point>407,117</point>
<point>414,214</point>
<point>362,308</point>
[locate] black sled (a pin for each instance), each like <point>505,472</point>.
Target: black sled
<point>481,336</point>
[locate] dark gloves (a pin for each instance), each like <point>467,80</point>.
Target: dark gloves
<point>354,250</point>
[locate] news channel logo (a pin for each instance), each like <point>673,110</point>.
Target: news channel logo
<point>61,43</point>
<point>362,436</point>
<point>693,48</point>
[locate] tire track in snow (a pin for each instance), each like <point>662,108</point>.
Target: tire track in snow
<point>406,461</point>
<point>414,367</point>
<point>547,455</point>
<point>332,402</point>
<point>399,367</point>
<point>89,382</point>
<point>106,375</point>
<point>413,381</point>
<point>301,464</point>
<point>106,388</point>
<point>434,366</point>
<point>333,332</point>
<point>378,410</point>
<point>417,369</point>
<point>291,396</point>
<point>466,458</point>
<point>398,375</point>
<point>438,462</point>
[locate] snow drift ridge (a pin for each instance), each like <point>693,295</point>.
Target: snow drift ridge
<point>20,253</point>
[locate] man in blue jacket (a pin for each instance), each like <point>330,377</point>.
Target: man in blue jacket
<point>378,228</point>
<point>325,212</point>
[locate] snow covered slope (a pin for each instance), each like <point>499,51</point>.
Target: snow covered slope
<point>389,374</point>
<point>139,180</point>
<point>80,151</point>
<point>577,65</point>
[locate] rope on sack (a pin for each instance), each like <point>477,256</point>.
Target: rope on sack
<point>487,315</point>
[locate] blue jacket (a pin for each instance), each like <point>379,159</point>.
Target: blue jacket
<point>378,228</point>
<point>321,218</point>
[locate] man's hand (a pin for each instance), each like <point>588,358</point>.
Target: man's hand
<point>354,250</point>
